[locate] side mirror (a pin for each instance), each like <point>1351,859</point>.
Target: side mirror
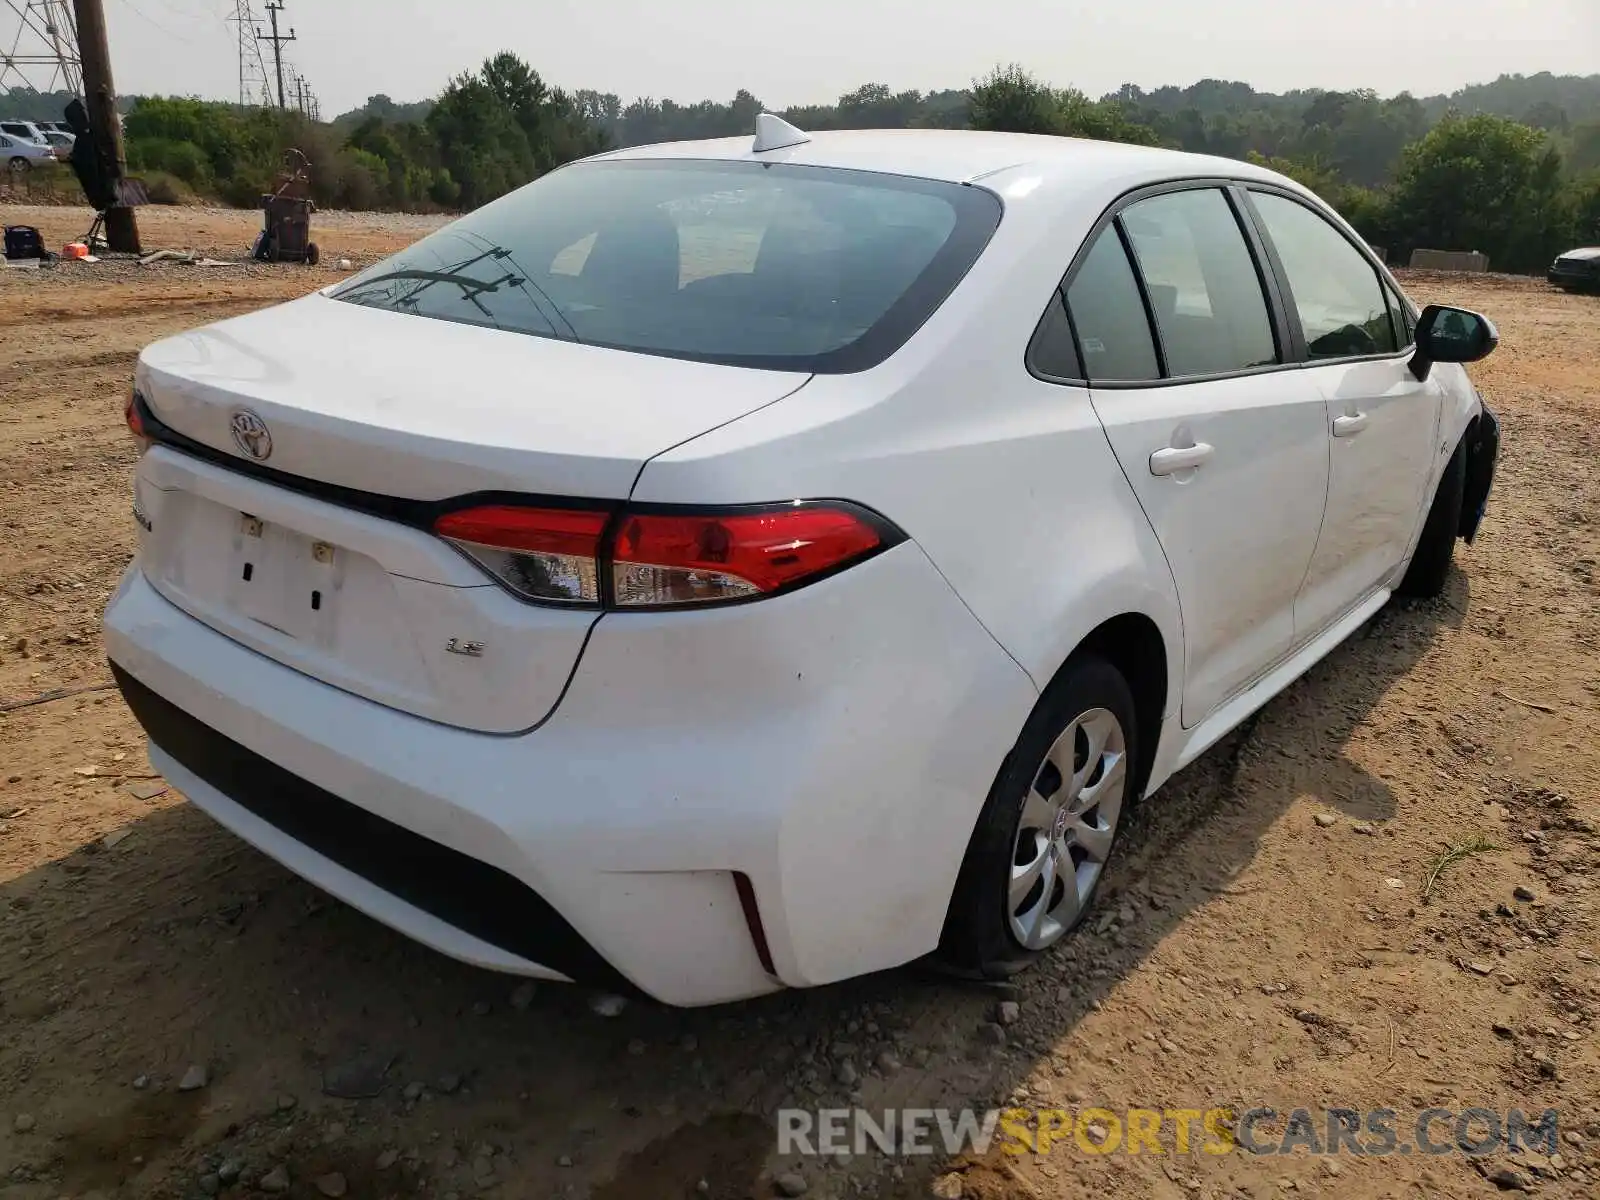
<point>1454,335</point>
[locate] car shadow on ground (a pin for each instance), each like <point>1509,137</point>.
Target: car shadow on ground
<point>180,946</point>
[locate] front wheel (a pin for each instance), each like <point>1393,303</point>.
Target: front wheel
<point>1048,828</point>
<point>1430,565</point>
<point>20,164</point>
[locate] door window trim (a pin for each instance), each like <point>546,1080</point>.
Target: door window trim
<point>1285,333</point>
<point>1385,281</point>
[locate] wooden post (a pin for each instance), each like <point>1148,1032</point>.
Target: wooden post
<point>100,99</point>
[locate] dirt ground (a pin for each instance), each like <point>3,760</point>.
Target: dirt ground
<point>1266,942</point>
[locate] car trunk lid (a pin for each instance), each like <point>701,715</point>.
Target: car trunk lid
<point>309,445</point>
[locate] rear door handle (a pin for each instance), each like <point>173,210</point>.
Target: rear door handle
<point>1349,424</point>
<point>1179,458</point>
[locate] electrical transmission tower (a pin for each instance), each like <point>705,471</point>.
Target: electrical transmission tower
<point>253,86</point>
<point>43,53</point>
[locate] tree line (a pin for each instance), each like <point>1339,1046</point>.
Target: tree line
<point>1511,168</point>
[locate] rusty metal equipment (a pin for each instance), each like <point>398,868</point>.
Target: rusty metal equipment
<point>286,226</point>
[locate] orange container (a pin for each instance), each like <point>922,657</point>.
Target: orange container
<point>75,250</point>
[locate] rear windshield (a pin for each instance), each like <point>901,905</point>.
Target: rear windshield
<point>753,264</point>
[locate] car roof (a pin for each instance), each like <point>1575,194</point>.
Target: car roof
<point>965,155</point>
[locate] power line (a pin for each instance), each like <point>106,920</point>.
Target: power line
<point>157,25</point>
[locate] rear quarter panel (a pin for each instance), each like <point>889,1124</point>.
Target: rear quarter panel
<point>1006,482</point>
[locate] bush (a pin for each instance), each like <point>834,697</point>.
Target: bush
<point>163,188</point>
<point>185,160</point>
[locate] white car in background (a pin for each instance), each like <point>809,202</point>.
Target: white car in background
<point>719,567</point>
<point>20,155</point>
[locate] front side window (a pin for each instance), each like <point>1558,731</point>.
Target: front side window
<point>1202,282</point>
<point>752,264</point>
<point>1400,318</point>
<point>1333,287</point>
<point>1113,327</point>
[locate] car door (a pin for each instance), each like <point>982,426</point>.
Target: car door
<point>1382,422</point>
<point>1224,446</point>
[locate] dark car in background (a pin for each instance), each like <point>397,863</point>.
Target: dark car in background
<point>1577,270</point>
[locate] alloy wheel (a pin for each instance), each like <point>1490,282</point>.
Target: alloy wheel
<point>1066,828</point>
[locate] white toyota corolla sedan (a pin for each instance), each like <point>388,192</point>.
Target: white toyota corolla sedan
<point>727,566</point>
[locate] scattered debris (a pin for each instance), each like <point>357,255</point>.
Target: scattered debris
<point>1523,892</point>
<point>333,1184</point>
<point>275,1181</point>
<point>23,1123</point>
<point>358,1078</point>
<point>1326,820</point>
<point>1505,695</point>
<point>1477,844</point>
<point>790,1183</point>
<point>193,1079</point>
<point>1508,1180</point>
<point>184,258</point>
<point>522,997</point>
<point>57,694</point>
<point>607,1004</point>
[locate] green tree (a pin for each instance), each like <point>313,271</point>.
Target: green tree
<point>1481,183</point>
<point>1011,100</point>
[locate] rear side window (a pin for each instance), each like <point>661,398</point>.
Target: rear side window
<point>1052,352</point>
<point>1342,306</point>
<point>1202,281</point>
<point>752,264</point>
<point>1113,327</point>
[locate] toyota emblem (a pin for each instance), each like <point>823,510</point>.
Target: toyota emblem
<point>251,435</point>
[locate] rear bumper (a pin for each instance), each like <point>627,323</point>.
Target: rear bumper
<point>832,747</point>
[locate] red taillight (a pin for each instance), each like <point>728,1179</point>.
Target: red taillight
<point>659,559</point>
<point>695,559</point>
<point>130,414</point>
<point>548,554</point>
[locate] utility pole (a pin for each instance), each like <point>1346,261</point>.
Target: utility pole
<point>100,98</point>
<point>274,7</point>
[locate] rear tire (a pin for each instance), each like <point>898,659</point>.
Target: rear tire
<point>1050,824</point>
<point>313,255</point>
<point>1430,565</point>
<point>20,164</point>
